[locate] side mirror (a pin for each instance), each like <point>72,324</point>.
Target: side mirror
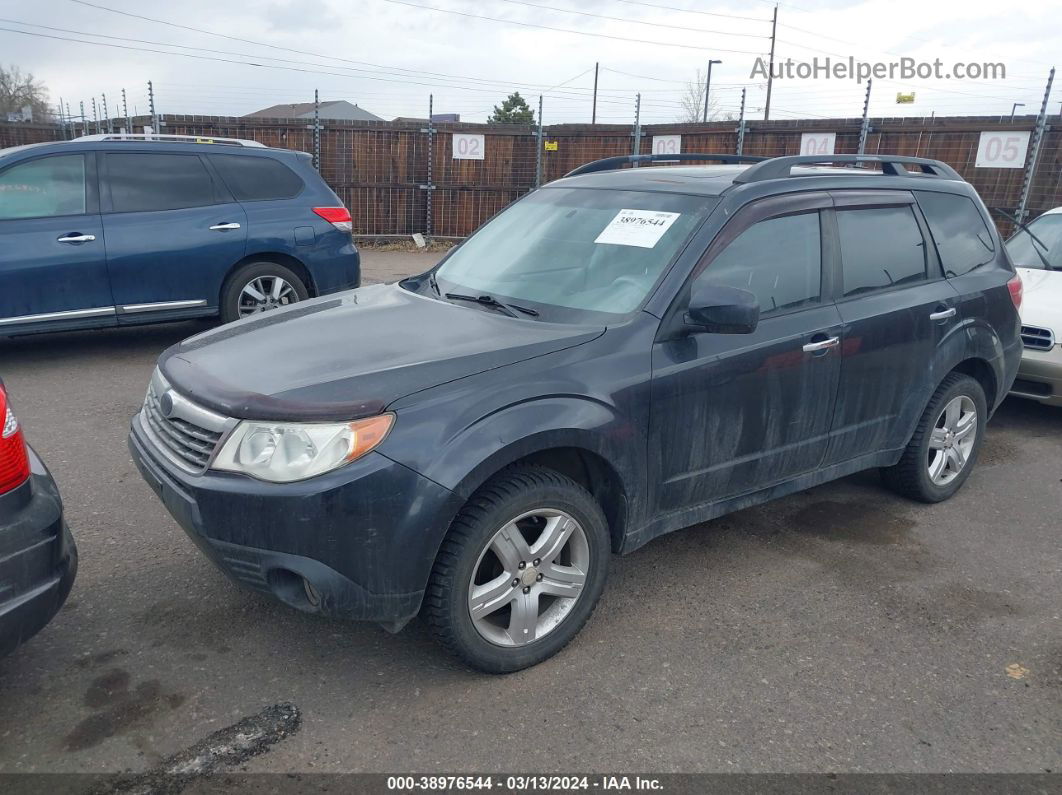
<point>722,310</point>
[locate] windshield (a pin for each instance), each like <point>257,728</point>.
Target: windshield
<point>1047,230</point>
<point>575,248</point>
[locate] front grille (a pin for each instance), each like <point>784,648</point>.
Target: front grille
<point>1037,338</point>
<point>188,434</point>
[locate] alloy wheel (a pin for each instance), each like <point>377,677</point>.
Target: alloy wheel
<point>952,440</point>
<point>265,293</point>
<point>528,577</point>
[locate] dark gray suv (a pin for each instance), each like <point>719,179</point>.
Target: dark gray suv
<point>620,354</point>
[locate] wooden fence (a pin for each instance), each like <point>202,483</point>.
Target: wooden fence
<point>380,170</point>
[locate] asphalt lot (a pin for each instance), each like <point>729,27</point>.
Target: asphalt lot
<point>841,629</point>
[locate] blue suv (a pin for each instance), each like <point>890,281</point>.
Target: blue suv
<point>115,230</point>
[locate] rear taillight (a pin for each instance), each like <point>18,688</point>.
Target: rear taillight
<point>14,460</point>
<point>1014,285</point>
<point>339,217</point>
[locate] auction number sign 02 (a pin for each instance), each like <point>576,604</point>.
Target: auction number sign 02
<point>468,146</point>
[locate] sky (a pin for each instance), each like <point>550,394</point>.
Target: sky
<point>388,56</point>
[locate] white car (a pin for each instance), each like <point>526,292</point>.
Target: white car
<point>1037,253</point>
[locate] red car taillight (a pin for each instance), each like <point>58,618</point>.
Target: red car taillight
<point>1014,285</point>
<point>14,460</point>
<point>339,217</point>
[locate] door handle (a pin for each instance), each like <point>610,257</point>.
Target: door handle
<point>822,345</point>
<point>75,238</point>
<point>224,227</point>
<point>943,314</point>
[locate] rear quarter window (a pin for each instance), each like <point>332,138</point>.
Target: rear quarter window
<point>254,179</point>
<point>959,230</point>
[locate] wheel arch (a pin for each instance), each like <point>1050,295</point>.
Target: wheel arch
<point>982,372</point>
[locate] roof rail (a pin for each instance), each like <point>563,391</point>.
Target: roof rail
<point>609,163</point>
<point>177,139</point>
<point>891,165</point>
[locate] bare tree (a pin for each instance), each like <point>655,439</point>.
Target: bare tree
<point>19,90</point>
<point>692,101</point>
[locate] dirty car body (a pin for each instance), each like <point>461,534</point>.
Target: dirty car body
<point>648,383</point>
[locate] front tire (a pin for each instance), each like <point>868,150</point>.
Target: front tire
<point>520,571</point>
<point>944,448</point>
<point>260,287</point>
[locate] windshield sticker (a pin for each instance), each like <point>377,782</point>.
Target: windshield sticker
<point>642,228</point>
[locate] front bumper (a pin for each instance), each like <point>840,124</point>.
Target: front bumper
<point>363,537</point>
<point>38,558</point>
<point>1040,376</point>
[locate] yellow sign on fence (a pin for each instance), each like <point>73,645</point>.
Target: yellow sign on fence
<point>550,146</point>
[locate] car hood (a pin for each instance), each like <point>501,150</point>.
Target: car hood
<point>351,355</point>
<point>1041,303</point>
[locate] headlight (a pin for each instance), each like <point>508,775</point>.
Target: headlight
<point>283,452</point>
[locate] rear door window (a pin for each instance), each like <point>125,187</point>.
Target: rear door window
<point>256,178</point>
<point>959,230</point>
<point>142,182</point>
<point>881,247</point>
<point>47,187</point>
<point>779,260</point>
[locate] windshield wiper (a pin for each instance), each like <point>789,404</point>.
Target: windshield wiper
<point>493,303</point>
<point>1036,241</point>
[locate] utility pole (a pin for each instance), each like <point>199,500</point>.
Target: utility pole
<point>707,88</point>
<point>540,140</point>
<point>593,114</point>
<point>1013,108</point>
<point>741,126</point>
<point>864,128</point>
<point>770,68</point>
<point>151,109</point>
<point>125,112</point>
<point>1034,155</point>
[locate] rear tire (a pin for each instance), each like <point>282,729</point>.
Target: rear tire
<point>941,453</point>
<point>277,285</point>
<point>520,571</point>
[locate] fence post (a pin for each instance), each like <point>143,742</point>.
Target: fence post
<point>84,121</point>
<point>62,120</point>
<point>637,148</point>
<point>316,130</point>
<point>1034,155</point>
<point>95,118</point>
<point>431,151</point>
<point>741,126</point>
<point>864,128</point>
<point>539,144</point>
<point>151,109</point>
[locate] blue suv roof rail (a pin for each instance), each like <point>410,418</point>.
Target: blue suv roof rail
<point>891,166</point>
<point>609,163</point>
<point>173,139</point>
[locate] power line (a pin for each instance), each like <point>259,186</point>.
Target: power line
<point>563,30</point>
<point>691,11</point>
<point>633,21</point>
<point>256,43</point>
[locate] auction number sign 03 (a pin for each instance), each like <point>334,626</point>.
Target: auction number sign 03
<point>468,146</point>
<point>1002,149</point>
<point>667,144</point>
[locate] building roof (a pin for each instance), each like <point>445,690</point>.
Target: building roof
<point>334,109</point>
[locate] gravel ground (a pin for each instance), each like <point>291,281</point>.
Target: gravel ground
<point>840,629</point>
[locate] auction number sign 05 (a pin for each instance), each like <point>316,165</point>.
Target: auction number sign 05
<point>1002,149</point>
